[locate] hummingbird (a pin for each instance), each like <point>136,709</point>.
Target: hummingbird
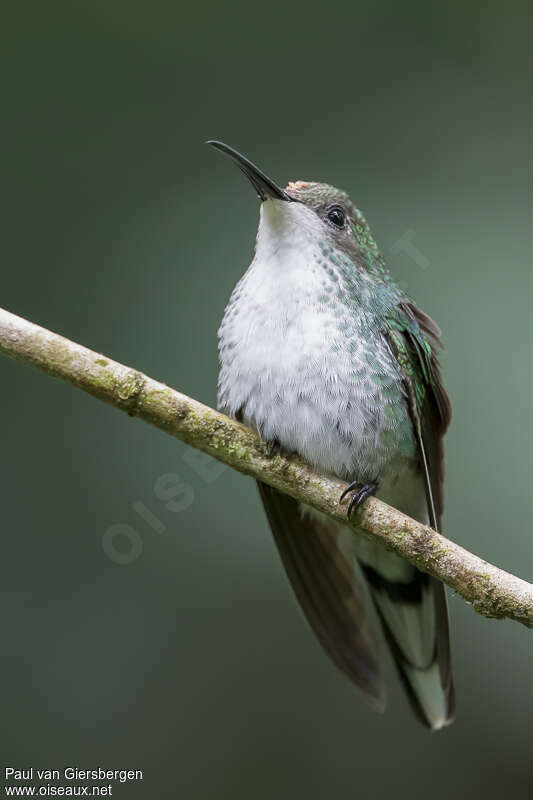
<point>325,356</point>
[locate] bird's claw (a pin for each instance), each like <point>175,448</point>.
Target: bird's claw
<point>273,448</point>
<point>360,492</point>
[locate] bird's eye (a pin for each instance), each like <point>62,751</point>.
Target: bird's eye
<point>337,217</point>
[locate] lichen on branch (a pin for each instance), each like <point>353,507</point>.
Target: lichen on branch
<point>490,590</point>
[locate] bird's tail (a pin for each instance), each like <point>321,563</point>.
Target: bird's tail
<point>413,611</point>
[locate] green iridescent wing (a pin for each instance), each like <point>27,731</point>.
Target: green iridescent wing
<point>415,340</point>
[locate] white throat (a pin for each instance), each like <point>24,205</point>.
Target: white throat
<point>287,237</point>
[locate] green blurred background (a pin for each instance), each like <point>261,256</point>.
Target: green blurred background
<point>123,231</point>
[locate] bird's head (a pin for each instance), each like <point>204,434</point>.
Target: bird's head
<point>307,213</point>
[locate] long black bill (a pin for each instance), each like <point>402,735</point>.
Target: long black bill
<point>263,185</point>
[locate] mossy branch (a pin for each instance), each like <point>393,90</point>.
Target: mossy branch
<point>490,590</point>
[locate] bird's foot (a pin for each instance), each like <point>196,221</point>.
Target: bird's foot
<point>360,492</point>
<point>273,448</point>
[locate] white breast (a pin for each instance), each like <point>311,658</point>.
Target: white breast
<point>284,361</point>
